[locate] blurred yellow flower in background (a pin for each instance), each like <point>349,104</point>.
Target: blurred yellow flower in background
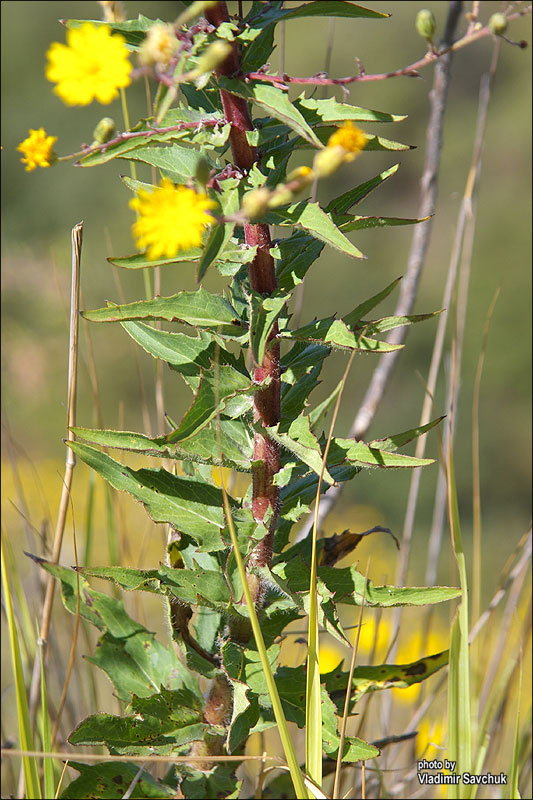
<point>93,65</point>
<point>37,149</point>
<point>171,218</point>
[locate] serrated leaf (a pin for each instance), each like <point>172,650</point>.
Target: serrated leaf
<point>111,779</point>
<point>335,333</point>
<point>274,101</point>
<point>176,163</point>
<point>294,397</point>
<point>391,443</point>
<point>217,388</point>
<point>330,110</point>
<point>235,440</point>
<point>133,30</point>
<point>366,223</point>
<point>220,235</point>
<point>189,505</point>
<point>220,782</point>
<point>343,203</point>
<point>104,612</point>
<point>347,585</point>
<point>135,147</point>
<point>257,50</point>
<point>303,443</point>
<point>264,313</point>
<point>141,261</point>
<point>200,308</point>
<point>311,218</point>
<point>385,676</point>
<point>320,8</point>
<point>295,255</point>
<point>360,453</point>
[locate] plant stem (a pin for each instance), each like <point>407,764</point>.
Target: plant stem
<point>262,280</point>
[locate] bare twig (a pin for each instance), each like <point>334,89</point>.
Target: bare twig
<point>411,71</point>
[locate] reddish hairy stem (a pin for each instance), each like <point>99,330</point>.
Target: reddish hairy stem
<point>262,280</point>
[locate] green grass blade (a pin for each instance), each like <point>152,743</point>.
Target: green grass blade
<point>313,704</point>
<point>459,723</point>
<point>514,791</point>
<point>31,779</point>
<point>288,749</point>
<point>48,764</point>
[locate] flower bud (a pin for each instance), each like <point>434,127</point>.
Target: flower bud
<point>216,53</point>
<point>302,175</point>
<point>425,24</point>
<point>104,131</point>
<point>159,45</point>
<point>280,196</point>
<point>203,171</point>
<point>255,203</point>
<point>328,161</point>
<point>498,24</point>
<point>196,9</point>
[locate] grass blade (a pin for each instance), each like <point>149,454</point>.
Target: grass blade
<point>48,764</point>
<point>459,725</point>
<point>31,779</point>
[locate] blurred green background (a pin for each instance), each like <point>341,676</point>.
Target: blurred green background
<point>40,208</point>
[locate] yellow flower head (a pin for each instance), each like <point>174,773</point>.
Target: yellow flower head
<point>351,138</point>
<point>37,149</point>
<point>159,46</point>
<point>171,218</point>
<point>93,65</point>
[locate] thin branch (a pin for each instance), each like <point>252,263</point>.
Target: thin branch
<point>320,79</point>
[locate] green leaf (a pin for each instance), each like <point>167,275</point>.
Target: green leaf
<point>274,101</point>
<point>391,443</point>
<point>257,51</point>
<point>111,779</point>
<point>189,354</point>
<point>365,223</point>
<point>135,147</point>
<point>363,308</point>
<point>335,333</point>
<point>141,260</point>
<point>303,443</point>
<point>330,110</point>
<point>321,8</point>
<point>311,218</point>
<point>220,235</point>
<point>217,388</point>
<point>264,313</point>
<point>352,452</point>
<point>200,308</point>
<point>133,30</point>
<point>235,440</point>
<point>295,255</point>
<point>294,398</point>
<point>343,203</point>
<point>176,163</point>
<point>220,782</point>
<point>189,505</point>
<point>143,735</point>
<point>347,585</point>
<point>385,676</point>
<point>104,612</point>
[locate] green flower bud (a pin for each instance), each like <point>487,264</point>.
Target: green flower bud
<point>498,24</point>
<point>216,53</point>
<point>425,24</point>
<point>104,131</point>
<point>255,203</point>
<point>203,171</point>
<point>328,161</point>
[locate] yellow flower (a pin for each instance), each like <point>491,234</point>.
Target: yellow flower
<point>93,65</point>
<point>171,218</point>
<point>37,149</point>
<point>351,138</point>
